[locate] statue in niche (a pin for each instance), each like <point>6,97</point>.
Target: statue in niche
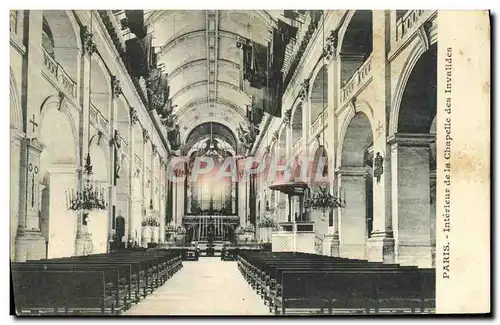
<point>378,166</point>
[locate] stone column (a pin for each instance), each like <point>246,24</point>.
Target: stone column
<point>242,201</point>
<point>16,142</point>
<point>411,215</point>
<point>162,200</point>
<point>381,241</point>
<point>29,243</point>
<point>306,121</point>
<point>333,77</point>
<point>352,218</point>
<point>144,204</point>
<point>63,223</point>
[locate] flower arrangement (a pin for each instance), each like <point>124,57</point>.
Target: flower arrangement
<point>267,222</point>
<point>250,229</point>
<point>169,229</point>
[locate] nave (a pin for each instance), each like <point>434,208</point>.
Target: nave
<point>207,287</point>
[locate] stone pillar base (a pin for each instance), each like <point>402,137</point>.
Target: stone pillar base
<point>331,245</point>
<point>30,245</point>
<point>380,248</point>
<point>353,251</point>
<point>83,245</point>
<point>414,255</point>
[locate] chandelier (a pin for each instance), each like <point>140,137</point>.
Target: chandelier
<point>211,148</point>
<point>324,201</point>
<point>89,197</point>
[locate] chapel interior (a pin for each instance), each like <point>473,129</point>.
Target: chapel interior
<point>198,146</point>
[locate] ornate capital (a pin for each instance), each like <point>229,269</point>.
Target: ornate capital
<point>304,89</point>
<point>276,135</point>
<point>145,135</point>
<point>331,45</point>
<point>88,44</point>
<point>115,87</point>
<point>133,116</point>
<point>155,149</point>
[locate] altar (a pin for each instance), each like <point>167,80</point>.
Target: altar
<point>201,227</point>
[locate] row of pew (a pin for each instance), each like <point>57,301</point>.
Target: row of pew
<point>98,284</point>
<point>301,283</point>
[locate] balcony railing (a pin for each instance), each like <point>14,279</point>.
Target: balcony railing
<point>360,77</point>
<point>317,126</point>
<point>98,120</point>
<point>405,23</point>
<point>55,71</point>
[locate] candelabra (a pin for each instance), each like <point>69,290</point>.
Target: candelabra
<point>323,200</point>
<point>89,197</point>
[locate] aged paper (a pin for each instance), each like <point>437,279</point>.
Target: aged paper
<point>463,172</point>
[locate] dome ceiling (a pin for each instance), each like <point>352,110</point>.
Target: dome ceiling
<point>198,50</point>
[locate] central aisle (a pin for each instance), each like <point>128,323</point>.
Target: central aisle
<point>205,287</point>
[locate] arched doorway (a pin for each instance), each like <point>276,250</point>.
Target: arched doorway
<point>356,44</point>
<point>414,167</point>
<point>356,186</point>
<point>319,100</point>
<point>61,41</point>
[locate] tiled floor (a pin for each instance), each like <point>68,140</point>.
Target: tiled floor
<point>206,287</point>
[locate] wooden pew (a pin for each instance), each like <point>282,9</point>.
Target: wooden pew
<point>74,291</point>
<point>127,274</point>
<point>359,291</point>
<point>407,288</point>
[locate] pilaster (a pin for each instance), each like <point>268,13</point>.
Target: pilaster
<point>410,155</point>
<point>352,218</point>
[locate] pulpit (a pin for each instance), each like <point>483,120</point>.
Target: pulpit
<point>297,233</point>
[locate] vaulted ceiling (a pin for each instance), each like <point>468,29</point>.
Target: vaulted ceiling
<point>198,49</point>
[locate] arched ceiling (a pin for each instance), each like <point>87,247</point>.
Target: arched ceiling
<point>198,50</point>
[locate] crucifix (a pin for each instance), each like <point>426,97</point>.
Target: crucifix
<point>380,128</point>
<point>33,122</point>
